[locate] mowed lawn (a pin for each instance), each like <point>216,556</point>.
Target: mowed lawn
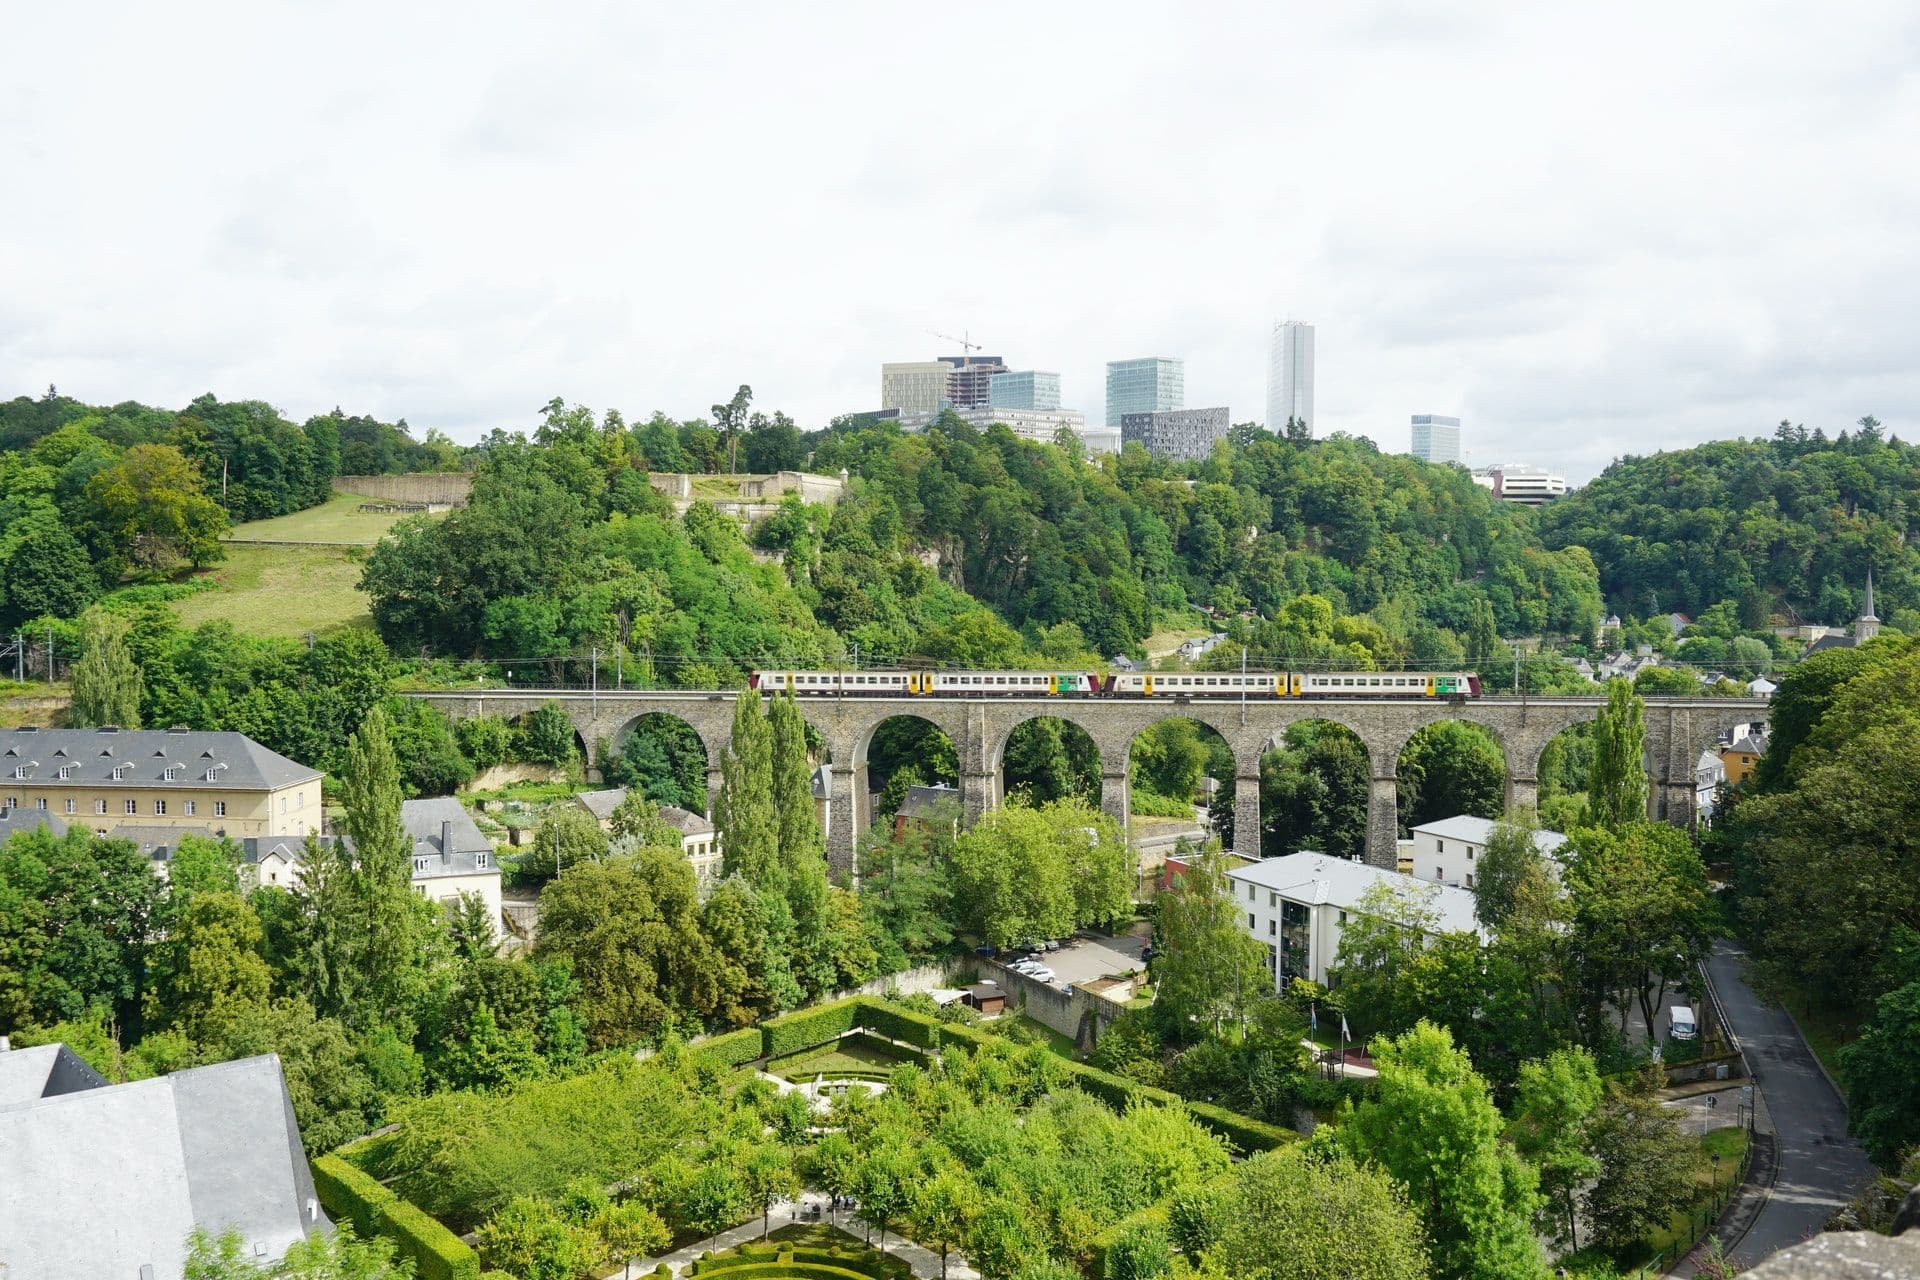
<point>281,591</point>
<point>339,521</point>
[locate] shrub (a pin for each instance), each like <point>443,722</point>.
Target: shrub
<point>904,1025</point>
<point>349,1193</point>
<point>1244,1132</point>
<point>807,1028</point>
<point>735,1048</point>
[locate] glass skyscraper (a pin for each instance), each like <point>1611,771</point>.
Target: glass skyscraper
<point>1436,438</point>
<point>1147,385</point>
<point>1290,375</point>
<point>1023,389</point>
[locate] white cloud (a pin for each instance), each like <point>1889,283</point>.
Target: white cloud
<point>1587,232</point>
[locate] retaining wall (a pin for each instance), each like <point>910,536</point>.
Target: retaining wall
<point>442,488</point>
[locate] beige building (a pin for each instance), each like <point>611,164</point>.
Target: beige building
<point>103,779</point>
<point>698,839</point>
<point>914,386</point>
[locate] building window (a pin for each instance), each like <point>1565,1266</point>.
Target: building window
<point>480,861</point>
<point>219,808</point>
<point>1250,924</point>
<point>1469,853</point>
<point>41,804</point>
<point>1469,879</point>
<point>300,800</point>
<point>192,808</point>
<point>19,772</point>
<point>159,808</point>
<point>1439,846</point>
<point>69,806</point>
<point>1249,893</point>
<point>419,864</point>
<point>212,774</point>
<point>1273,928</point>
<point>99,806</point>
<point>1343,918</point>
<point>1273,900</point>
<point>133,807</point>
<point>283,804</point>
<point>119,773</point>
<point>172,773</point>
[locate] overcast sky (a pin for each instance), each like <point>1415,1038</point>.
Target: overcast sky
<point>1628,228</point>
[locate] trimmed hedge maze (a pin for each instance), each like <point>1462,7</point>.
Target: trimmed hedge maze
<point>803,1253</point>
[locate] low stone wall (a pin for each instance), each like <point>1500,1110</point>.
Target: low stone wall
<point>435,488</point>
<point>1063,1011</point>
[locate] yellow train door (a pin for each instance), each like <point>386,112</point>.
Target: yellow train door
<point>1147,685</point>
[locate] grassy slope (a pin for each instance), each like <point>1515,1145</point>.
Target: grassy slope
<point>277,590</point>
<point>338,520</point>
<point>280,591</point>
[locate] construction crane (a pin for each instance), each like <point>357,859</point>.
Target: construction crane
<point>965,345</point>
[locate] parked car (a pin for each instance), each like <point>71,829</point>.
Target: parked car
<point>1025,966</point>
<point>1043,973</point>
<point>1050,945</point>
<point>1681,1024</point>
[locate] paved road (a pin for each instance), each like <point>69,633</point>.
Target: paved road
<point>1820,1166</point>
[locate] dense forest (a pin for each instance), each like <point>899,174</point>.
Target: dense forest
<point>94,496</point>
<point>1783,528</point>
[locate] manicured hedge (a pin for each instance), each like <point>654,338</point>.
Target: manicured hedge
<point>960,1036</point>
<point>735,1048</point>
<point>904,1025</point>
<point>1157,1213</point>
<point>793,1032</point>
<point>785,1271</point>
<point>1244,1132</point>
<point>350,1193</point>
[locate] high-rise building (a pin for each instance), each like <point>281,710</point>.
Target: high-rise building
<point>1042,426</point>
<point>1147,385</point>
<point>914,386</point>
<point>1436,438</point>
<point>1290,375</point>
<point>1184,435</point>
<point>969,377</point>
<point>1023,389</point>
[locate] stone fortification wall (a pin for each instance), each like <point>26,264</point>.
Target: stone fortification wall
<point>436,488</point>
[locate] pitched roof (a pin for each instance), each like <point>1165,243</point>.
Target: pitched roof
<point>1478,831</point>
<point>1316,879</point>
<point>601,804</point>
<point>685,821</point>
<point>433,824</point>
<point>121,1173</point>
<point>156,839</point>
<point>20,819</point>
<point>43,1071</point>
<point>925,802</point>
<point>144,756</point>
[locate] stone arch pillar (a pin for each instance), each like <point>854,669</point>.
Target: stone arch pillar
<point>1246,797</point>
<point>1383,793</point>
<point>846,807</point>
<point>1115,755</point>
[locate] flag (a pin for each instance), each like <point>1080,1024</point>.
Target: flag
<point>1344,1033</point>
<point>1313,1016</point>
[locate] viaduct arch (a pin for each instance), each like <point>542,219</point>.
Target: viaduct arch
<point>1678,729</point>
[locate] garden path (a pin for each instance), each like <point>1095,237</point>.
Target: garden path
<point>925,1262</point>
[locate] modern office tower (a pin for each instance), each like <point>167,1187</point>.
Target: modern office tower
<point>1147,385</point>
<point>968,378</point>
<point>1436,438</point>
<point>914,386</point>
<point>1023,389</point>
<point>1185,435</point>
<point>1518,483</point>
<point>1290,376</point>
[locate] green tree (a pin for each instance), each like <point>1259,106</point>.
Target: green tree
<point>208,970</point>
<point>568,836</point>
<point>1483,637</point>
<point>153,511</point>
<point>106,680</point>
<point>1451,767</point>
<point>744,815</point>
<point>1882,1075</point>
<point>529,1239</point>
<point>1433,1126</point>
<point>1617,785</point>
<point>768,1176</point>
<point>1642,918</point>
<point>1512,856</point>
<point>336,1255</point>
<point>1207,969</point>
<point>941,1210</point>
<point>1552,1118</point>
<point>1295,1215</point>
<point>384,924</point>
<point>1647,1168</point>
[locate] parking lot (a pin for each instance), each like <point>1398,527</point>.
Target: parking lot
<point>1084,959</point>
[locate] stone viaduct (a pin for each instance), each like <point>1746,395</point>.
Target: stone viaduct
<point>1678,729</point>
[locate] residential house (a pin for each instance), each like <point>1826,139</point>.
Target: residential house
<point>451,856</point>
<point>1761,687</point>
<point>107,778</point>
<point>1449,850</point>
<point>108,1180</point>
<point>698,839</point>
<point>1298,906</point>
<point>935,808</point>
<point>1739,757</point>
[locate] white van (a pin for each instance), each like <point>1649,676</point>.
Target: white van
<point>1680,1023</point>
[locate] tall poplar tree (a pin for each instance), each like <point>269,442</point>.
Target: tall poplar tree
<point>1617,785</point>
<point>106,681</point>
<point>375,940</point>
<point>744,815</point>
<point>800,850</point>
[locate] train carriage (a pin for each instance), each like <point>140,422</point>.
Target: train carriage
<point>1126,684</point>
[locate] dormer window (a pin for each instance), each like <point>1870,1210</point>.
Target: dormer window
<point>419,864</point>
<point>172,773</point>
<point>480,861</point>
<point>212,774</point>
<point>19,772</point>
<point>120,772</point>
<point>66,772</point>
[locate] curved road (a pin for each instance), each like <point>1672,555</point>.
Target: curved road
<point>1820,1167</point>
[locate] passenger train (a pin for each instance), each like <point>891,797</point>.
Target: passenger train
<point>1122,684</point>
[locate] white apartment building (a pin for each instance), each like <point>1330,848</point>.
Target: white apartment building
<point>1298,906</point>
<point>1448,851</point>
<point>1521,484</point>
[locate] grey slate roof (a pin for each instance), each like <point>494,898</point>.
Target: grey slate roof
<point>685,821</point>
<point>239,763</point>
<point>925,802</point>
<point>26,818</point>
<point>120,1173</point>
<point>442,831</point>
<point>157,840</point>
<point>43,1071</point>
<point>601,804</point>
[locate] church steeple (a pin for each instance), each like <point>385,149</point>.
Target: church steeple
<point>1866,626</point>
